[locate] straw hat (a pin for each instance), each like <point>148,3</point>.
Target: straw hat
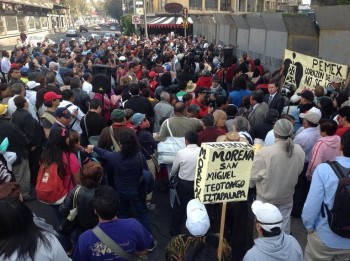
<point>230,136</point>
<point>190,86</point>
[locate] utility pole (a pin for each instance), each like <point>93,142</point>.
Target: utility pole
<point>134,7</point>
<point>145,18</point>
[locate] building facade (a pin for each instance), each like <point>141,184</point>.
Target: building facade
<point>207,7</point>
<point>33,18</point>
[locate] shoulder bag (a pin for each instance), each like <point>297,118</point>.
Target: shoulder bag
<point>167,149</point>
<point>115,247</point>
<point>115,144</point>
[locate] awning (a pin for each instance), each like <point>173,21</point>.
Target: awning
<point>167,22</point>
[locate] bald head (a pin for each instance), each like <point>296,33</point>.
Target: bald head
<point>180,108</point>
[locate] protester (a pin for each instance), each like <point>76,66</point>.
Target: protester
<point>275,181</point>
<point>272,243</point>
<point>129,234</point>
<point>198,225</point>
<point>322,242</point>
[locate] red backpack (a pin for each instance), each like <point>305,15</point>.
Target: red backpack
<point>49,185</point>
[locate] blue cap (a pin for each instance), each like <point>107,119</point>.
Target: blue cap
<point>23,70</point>
<point>137,118</point>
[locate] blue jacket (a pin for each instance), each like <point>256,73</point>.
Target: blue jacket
<point>323,187</point>
<point>127,172</point>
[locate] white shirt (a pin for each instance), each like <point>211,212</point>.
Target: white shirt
<point>5,65</point>
<point>185,162</point>
<point>87,87</point>
<point>270,138</point>
<point>12,107</point>
<point>76,126</point>
<point>31,96</point>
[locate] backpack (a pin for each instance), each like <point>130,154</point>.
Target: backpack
<point>339,215</point>
<point>49,185</point>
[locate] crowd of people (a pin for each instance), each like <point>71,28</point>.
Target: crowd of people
<point>94,113</point>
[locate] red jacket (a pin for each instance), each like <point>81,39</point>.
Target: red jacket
<point>203,110</point>
<point>204,81</point>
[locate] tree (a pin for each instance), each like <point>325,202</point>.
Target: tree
<point>129,28</point>
<point>78,8</point>
<point>114,8</point>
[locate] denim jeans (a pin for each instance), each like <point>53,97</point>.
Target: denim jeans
<point>139,202</point>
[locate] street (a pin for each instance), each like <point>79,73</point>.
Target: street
<point>104,29</point>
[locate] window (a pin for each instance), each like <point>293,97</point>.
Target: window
<point>211,5</point>
<point>2,27</point>
<point>44,22</point>
<point>195,4</point>
<point>242,5</point>
<point>31,22</point>
<point>225,5</point>
<point>260,6</point>
<point>162,4</point>
<point>37,23</point>
<point>11,23</point>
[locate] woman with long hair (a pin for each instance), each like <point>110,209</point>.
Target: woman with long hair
<point>128,164</point>
<point>20,238</point>
<point>148,146</point>
<point>57,151</point>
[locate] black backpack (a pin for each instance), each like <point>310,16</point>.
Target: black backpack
<point>339,215</point>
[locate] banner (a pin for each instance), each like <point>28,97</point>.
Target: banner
<point>307,72</point>
<point>223,172</point>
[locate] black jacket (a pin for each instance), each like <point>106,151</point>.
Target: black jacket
<point>277,102</point>
<point>86,218</point>
<point>18,141</point>
<point>32,129</point>
<point>141,105</point>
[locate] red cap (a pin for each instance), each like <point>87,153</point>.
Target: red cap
<point>50,96</point>
<point>152,74</point>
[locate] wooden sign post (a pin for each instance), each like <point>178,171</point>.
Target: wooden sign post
<point>223,175</point>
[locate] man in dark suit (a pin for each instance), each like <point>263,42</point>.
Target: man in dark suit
<point>259,109</point>
<point>274,98</point>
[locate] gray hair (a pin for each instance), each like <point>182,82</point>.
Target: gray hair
<point>283,129</point>
<point>240,123</point>
<point>164,96</point>
<point>17,88</point>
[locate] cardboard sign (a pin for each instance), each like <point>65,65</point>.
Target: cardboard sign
<point>223,172</point>
<point>307,72</point>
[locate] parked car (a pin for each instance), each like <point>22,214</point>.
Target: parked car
<point>71,32</point>
<point>97,28</point>
<point>113,28</point>
<point>83,28</point>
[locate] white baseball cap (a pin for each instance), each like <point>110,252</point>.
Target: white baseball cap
<point>267,215</point>
<point>197,221</point>
<point>32,84</point>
